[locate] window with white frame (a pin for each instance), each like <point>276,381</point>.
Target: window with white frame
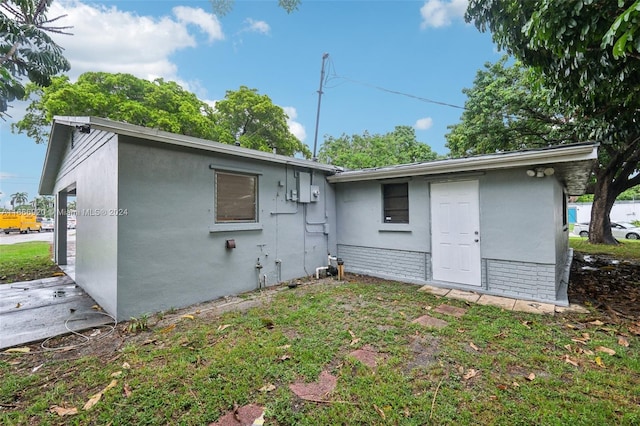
<point>395,199</point>
<point>236,197</point>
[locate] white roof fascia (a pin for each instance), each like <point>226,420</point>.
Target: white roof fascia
<point>488,162</point>
<point>190,142</point>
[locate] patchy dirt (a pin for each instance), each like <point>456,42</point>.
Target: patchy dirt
<point>44,270</point>
<point>610,285</point>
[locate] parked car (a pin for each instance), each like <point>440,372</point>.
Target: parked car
<point>47,225</point>
<point>618,230</point>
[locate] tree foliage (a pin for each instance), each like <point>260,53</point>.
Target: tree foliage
<point>26,49</point>
<point>564,43</point>
<point>122,97</point>
<point>622,33</point>
<point>223,7</point>
<point>509,109</point>
<point>254,121</point>
<point>362,151</point>
<point>243,116</point>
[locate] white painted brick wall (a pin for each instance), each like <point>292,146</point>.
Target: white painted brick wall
<point>518,279</point>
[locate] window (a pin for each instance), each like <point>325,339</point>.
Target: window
<point>236,197</point>
<point>396,202</point>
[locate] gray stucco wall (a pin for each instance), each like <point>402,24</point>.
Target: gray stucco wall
<point>91,167</point>
<point>520,241</point>
<point>172,254</point>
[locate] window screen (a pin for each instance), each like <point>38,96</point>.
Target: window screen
<point>396,202</point>
<point>236,197</point>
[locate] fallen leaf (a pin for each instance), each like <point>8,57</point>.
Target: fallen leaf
<point>526,323</point>
<point>531,377</point>
<point>191,317</point>
<point>635,329</point>
<point>379,411</point>
<point>57,274</point>
<point>605,350</point>
<point>96,308</point>
<point>284,357</point>
<point>223,327</point>
<point>596,323</point>
<point>18,305</point>
<point>22,350</point>
<point>63,411</point>
<point>493,397</point>
<point>502,387</point>
<point>568,347</point>
<point>168,328</point>
<point>126,365</point>
<point>470,374</point>
<point>474,347</point>
<point>354,339</point>
<point>34,369</point>
<point>116,374</point>
<point>284,347</point>
<point>568,360</point>
<point>461,330</point>
<point>587,351</point>
<point>95,398</point>
<point>515,385</point>
<point>571,326</point>
<point>127,390</point>
<point>622,341</point>
<point>267,388</point>
<point>598,361</point>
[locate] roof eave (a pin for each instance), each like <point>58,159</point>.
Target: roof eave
<point>191,142</point>
<point>490,162</point>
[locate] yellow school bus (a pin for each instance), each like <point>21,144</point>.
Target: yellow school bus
<point>19,222</point>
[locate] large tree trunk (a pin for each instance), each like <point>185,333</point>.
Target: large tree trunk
<point>604,195</point>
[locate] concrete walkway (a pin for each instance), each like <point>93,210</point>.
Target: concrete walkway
<point>39,309</point>
<point>506,303</point>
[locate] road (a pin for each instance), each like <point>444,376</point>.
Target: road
<point>16,237</point>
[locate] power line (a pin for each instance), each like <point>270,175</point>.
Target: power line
<point>332,75</point>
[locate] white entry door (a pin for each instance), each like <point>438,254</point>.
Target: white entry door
<point>455,232</point>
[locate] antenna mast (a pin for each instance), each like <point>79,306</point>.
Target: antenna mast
<point>315,138</point>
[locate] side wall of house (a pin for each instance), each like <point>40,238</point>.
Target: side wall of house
<point>173,254</point>
<point>518,240</point>
<point>90,165</point>
<point>518,217</point>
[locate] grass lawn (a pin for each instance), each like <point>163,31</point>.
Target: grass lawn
<point>488,366</point>
<point>627,249</point>
<point>26,261</point>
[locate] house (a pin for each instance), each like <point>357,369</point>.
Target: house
<point>495,224</point>
<point>166,220</point>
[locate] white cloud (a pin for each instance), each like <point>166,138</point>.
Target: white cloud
<point>110,40</point>
<point>205,21</point>
<point>439,13</point>
<point>295,127</point>
<point>256,26</point>
<point>424,123</point>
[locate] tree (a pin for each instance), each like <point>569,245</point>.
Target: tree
<point>622,32</point>
<point>26,50</point>
<point>19,198</point>
<point>122,97</point>
<point>253,121</point>
<point>362,151</point>
<point>44,206</point>
<point>563,43</point>
<point>222,7</point>
<point>508,109</point>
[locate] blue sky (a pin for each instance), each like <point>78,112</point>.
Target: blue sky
<point>420,48</point>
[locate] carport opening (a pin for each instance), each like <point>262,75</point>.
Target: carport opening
<point>64,229</point>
